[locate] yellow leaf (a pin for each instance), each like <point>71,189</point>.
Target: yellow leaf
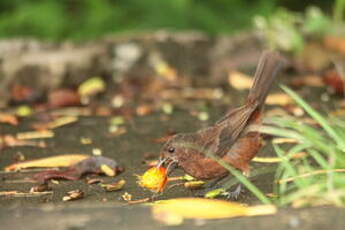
<point>200,208</point>
<point>91,86</point>
<point>239,80</point>
<point>107,170</point>
<point>49,162</point>
<point>278,99</point>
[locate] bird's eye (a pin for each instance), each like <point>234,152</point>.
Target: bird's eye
<point>171,149</point>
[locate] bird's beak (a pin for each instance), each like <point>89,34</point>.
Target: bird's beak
<point>170,163</point>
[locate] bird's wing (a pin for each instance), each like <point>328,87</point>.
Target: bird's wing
<point>231,127</point>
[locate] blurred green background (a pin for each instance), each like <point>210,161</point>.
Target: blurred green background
<point>90,19</point>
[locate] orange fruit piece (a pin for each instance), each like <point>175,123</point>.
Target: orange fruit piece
<point>154,179</point>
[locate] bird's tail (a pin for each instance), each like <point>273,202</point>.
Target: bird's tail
<point>268,67</point>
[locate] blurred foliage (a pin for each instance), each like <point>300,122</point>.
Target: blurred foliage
<point>88,19</point>
<point>287,30</point>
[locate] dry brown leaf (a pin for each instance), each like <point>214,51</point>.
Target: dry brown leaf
<point>49,162</point>
<point>239,80</point>
<point>8,118</point>
<point>41,188</point>
<point>94,181</point>
<point>11,141</point>
<point>335,43</point>
<point>63,97</point>
<point>308,80</point>
<point>118,185</point>
<point>73,195</point>
<point>200,208</point>
<point>278,99</point>
<point>127,196</point>
<point>194,184</point>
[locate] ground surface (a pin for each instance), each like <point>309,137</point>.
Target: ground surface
<point>103,210</point>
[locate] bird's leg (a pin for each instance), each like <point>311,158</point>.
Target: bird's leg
<point>234,194</point>
<point>211,186</point>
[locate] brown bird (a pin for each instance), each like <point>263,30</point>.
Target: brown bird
<point>230,138</point>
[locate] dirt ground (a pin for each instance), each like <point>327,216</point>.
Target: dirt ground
<point>101,209</point>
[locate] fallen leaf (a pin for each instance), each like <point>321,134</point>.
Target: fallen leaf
<point>278,99</point>
<point>94,181</point>
<point>24,94</point>
<point>59,122</point>
<point>63,97</point>
<point>239,80</point>
<point>8,118</point>
<point>41,188</point>
<point>333,79</point>
<point>49,162</point>
<point>11,141</point>
<point>144,109</point>
<point>116,131</point>
<point>24,111</point>
<point>201,208</point>
<point>114,186</point>
<point>91,87</point>
<point>35,135</point>
<point>107,170</point>
<point>73,195</point>
<point>335,43</point>
<point>194,184</point>
<point>308,80</point>
<point>216,192</point>
<point>126,196</point>
<point>154,179</point>
<point>89,165</point>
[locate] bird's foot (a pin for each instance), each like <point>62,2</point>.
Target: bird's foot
<point>233,195</point>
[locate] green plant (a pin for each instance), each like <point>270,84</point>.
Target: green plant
<point>317,178</point>
<point>287,30</point>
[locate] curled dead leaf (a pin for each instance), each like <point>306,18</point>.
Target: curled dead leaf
<point>107,170</point>
<point>126,196</point>
<point>73,195</point>
<point>118,185</point>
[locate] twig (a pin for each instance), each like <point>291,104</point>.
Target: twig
<point>24,194</point>
<point>313,173</point>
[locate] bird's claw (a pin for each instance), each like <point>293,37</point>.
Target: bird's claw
<point>233,195</point>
